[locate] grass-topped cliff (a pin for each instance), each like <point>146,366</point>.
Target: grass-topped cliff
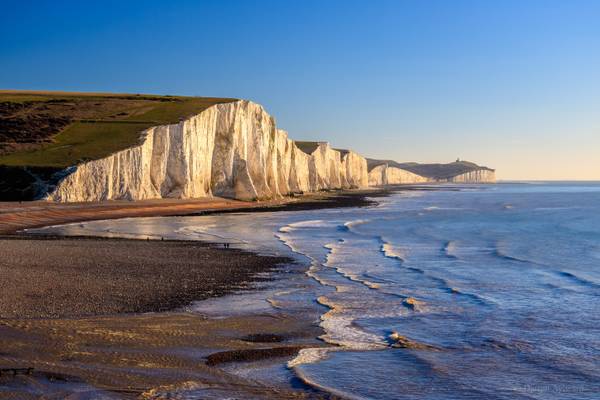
<point>431,171</point>
<point>59,129</point>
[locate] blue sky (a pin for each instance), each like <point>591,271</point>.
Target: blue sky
<point>511,84</point>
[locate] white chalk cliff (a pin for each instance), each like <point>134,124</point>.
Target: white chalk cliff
<point>231,150</point>
<point>478,176</point>
<point>384,174</point>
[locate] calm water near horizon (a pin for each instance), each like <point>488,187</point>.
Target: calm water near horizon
<point>496,288</point>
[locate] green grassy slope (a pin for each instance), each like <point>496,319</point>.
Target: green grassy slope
<point>59,129</point>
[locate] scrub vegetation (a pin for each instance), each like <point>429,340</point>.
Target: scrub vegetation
<point>59,129</point>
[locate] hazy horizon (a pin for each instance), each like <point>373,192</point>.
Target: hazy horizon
<point>512,85</point>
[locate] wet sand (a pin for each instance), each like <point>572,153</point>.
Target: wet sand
<point>15,216</point>
<point>91,315</point>
<point>146,355</point>
<point>64,277</point>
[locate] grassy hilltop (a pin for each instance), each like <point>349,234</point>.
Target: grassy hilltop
<point>59,129</point>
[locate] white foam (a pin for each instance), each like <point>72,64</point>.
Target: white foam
<point>311,355</point>
<point>451,249</point>
<point>351,224</point>
<point>308,224</point>
<point>342,271</point>
<point>391,251</point>
<point>340,330</point>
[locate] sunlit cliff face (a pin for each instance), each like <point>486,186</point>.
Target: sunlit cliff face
<point>231,150</point>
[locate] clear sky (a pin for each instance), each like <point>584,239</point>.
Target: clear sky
<point>514,85</point>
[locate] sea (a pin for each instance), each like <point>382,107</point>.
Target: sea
<point>438,292</point>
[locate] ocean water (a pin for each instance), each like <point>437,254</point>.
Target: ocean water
<point>478,292</point>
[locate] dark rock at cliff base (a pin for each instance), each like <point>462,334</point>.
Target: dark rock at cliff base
<point>26,183</point>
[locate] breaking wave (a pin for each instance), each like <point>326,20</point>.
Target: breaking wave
<point>349,226</point>
<point>449,249</point>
